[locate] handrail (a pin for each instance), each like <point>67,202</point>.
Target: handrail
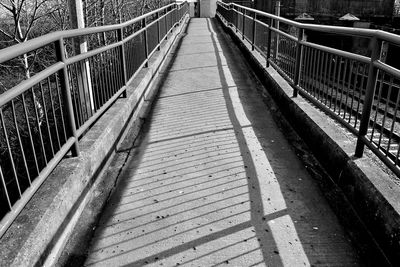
<point>33,44</point>
<point>57,105</point>
<point>386,36</point>
<point>361,92</point>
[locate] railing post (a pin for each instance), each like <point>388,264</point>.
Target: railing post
<point>123,61</point>
<point>299,60</point>
<point>369,96</point>
<point>66,92</point>
<point>146,46</point>
<point>158,31</point>
<point>244,18</point>
<point>253,41</point>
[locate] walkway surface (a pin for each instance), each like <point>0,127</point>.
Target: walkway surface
<point>214,181</point>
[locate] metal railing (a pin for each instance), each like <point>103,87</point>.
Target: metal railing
<point>362,92</point>
<point>43,116</point>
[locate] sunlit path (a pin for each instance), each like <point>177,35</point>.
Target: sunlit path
<point>214,182</point>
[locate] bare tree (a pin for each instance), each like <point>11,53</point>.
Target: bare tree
<point>20,19</point>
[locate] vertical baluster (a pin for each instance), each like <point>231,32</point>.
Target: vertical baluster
<point>38,125</point>
<point>123,58</point>
<point>343,90</point>
<point>30,133</point>
<point>313,68</point>
<point>60,106</point>
<point>377,105</point>
<point>337,84</point>
<point>3,183</point>
<point>76,96</point>
<point>20,142</point>
<point>360,97</point>
<point>333,84</point>
<point>299,61</point>
<point>309,68</point>
<point>243,22</point>
<point>323,77</point>
<point>102,79</point>
<point>394,121</point>
<point>46,118</point>
<point>113,72</point>
<point>386,110</point>
<point>54,113</point>
<point>353,95</point>
<point>348,88</point>
<point>14,170</point>
<point>321,59</point>
<point>328,78</point>
<point>165,24</point>
<point>158,31</point>
<point>269,42</point>
<point>253,31</point>
<point>146,45</point>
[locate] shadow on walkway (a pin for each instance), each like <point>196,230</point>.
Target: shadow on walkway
<point>214,182</point>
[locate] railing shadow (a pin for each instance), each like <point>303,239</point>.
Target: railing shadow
<point>306,227</point>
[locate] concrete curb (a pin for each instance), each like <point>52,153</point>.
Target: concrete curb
<point>48,219</point>
<point>372,215</point>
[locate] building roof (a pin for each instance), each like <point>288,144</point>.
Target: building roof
<point>304,16</point>
<point>349,17</point>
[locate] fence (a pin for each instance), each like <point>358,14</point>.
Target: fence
<point>362,92</point>
<point>43,116</point>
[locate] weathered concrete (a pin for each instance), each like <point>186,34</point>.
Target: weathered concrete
<point>371,191</point>
<point>39,233</point>
<point>214,181</point>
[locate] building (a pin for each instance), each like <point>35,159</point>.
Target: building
<point>327,9</point>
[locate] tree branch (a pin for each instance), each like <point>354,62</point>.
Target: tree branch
<point>6,7</point>
<point>7,34</point>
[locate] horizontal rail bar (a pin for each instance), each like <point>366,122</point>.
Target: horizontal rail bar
<point>130,37</point>
<point>262,23</point>
<point>338,52</point>
<point>86,55</point>
<point>25,47</point>
<point>291,37</point>
<point>386,36</point>
<point>389,69</point>
<point>31,82</point>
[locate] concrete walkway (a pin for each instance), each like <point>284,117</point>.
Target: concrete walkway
<point>214,182</point>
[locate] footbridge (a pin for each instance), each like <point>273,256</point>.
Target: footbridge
<point>201,142</point>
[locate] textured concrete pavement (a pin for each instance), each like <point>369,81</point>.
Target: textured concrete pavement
<point>214,182</point>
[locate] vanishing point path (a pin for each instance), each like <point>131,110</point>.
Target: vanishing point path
<point>213,180</point>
